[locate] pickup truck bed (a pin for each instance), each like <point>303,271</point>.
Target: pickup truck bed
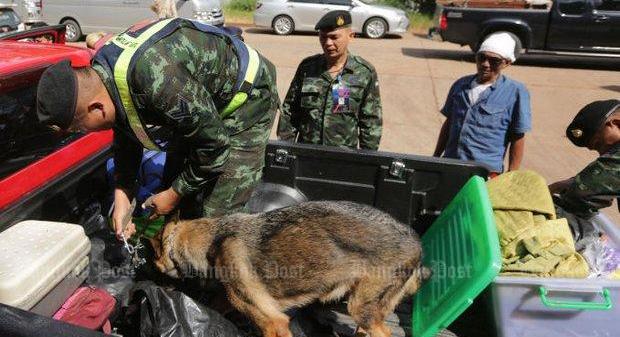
<point>414,189</point>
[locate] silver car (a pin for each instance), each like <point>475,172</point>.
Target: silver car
<point>87,16</point>
<point>287,16</point>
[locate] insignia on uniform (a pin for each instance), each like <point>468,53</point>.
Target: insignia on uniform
<point>577,133</point>
<point>182,112</point>
<point>340,21</point>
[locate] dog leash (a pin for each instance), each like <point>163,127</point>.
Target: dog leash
<point>136,259</point>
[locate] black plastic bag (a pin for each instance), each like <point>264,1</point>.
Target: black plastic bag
<point>170,313</point>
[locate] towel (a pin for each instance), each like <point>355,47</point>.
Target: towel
<point>533,242</point>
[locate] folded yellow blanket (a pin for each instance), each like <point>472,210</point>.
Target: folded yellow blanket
<point>532,240</point>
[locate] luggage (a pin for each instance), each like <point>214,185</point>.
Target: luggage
<point>88,307</point>
<point>41,264</point>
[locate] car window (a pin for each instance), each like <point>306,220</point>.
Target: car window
<point>339,2</point>
<point>8,17</point>
<point>572,7</point>
<point>607,5</point>
<point>22,139</point>
<point>308,1</point>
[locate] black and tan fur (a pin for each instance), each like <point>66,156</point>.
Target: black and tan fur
<point>293,256</point>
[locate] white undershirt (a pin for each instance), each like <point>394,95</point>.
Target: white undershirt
<point>475,90</point>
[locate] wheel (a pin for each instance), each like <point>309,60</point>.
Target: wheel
<point>74,32</point>
<point>518,43</point>
<point>283,25</point>
<point>375,28</point>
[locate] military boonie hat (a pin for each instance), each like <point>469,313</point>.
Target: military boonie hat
<point>57,95</point>
<point>334,20</point>
<point>589,120</point>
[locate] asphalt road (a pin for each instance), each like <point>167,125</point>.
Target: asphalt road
<point>415,75</point>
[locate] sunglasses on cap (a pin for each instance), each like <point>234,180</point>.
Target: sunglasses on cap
<point>493,61</point>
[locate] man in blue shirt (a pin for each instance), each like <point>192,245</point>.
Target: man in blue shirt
<point>487,113</point>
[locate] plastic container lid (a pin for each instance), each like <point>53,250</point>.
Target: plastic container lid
<point>35,256</point>
<point>462,248</point>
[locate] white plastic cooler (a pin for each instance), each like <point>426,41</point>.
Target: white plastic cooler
<point>41,264</point>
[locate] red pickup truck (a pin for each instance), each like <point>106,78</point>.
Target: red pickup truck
<point>39,168</point>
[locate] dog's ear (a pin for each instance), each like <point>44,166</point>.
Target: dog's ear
<point>156,243</point>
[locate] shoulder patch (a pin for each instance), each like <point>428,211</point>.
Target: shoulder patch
<point>182,113</point>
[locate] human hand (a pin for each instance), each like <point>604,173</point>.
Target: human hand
<point>122,206</point>
<point>162,203</point>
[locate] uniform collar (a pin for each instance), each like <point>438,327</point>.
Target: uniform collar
<point>499,81</point>
<point>109,84</point>
<point>349,67</point>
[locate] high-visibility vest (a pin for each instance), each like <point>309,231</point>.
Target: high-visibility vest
<point>118,55</point>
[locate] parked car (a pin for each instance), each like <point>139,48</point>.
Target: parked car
<point>29,11</point>
<point>568,27</point>
<point>113,16</point>
<point>9,20</point>
<point>287,16</point>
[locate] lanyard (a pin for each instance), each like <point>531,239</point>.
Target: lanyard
<point>340,96</point>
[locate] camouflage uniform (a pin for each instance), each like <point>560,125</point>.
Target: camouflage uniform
<point>596,186</point>
<point>308,114</point>
<point>181,83</point>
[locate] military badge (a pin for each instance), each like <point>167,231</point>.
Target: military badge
<point>340,21</point>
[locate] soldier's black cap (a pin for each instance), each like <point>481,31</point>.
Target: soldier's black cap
<point>57,95</point>
<point>589,120</point>
<point>334,20</point>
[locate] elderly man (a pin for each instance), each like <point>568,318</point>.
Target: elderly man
<point>334,97</point>
<point>487,113</point>
<point>192,90</point>
<point>596,127</point>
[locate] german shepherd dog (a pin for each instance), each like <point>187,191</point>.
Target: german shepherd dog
<point>290,257</point>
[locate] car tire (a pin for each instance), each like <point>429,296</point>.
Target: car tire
<point>518,43</point>
<point>375,28</point>
<point>283,25</point>
<point>74,32</point>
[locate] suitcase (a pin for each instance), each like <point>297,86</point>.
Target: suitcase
<point>41,264</point>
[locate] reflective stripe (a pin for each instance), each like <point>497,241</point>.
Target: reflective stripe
<point>250,75</point>
<point>130,45</point>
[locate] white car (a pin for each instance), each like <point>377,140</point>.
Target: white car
<point>287,16</point>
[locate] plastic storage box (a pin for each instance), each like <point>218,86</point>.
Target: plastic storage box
<point>41,264</point>
<point>462,248</point>
<point>542,307</point>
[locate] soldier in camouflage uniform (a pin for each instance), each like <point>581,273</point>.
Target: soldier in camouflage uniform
<point>182,83</point>
<point>334,97</point>
<point>597,127</point>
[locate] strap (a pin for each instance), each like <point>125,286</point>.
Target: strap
<point>130,45</point>
<point>246,87</point>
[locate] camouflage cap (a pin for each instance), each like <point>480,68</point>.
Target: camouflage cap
<point>334,20</point>
<point>589,120</point>
<point>57,95</point>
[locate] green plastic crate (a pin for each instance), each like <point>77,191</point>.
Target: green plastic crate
<point>462,248</point>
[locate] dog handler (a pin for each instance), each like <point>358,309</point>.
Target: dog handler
<point>179,86</point>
